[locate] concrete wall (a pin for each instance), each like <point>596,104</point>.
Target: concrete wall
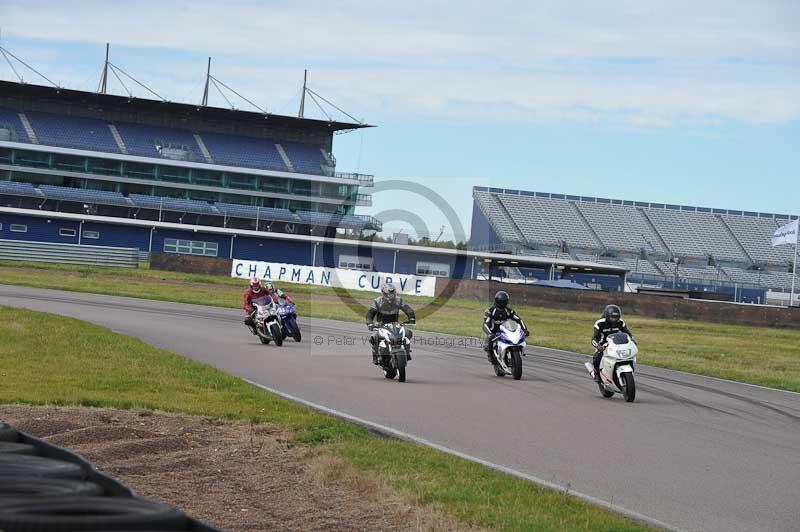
<point>635,304</point>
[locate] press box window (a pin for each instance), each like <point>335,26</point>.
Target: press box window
<point>354,262</point>
<point>67,232</point>
<point>18,228</point>
<point>190,247</point>
<point>433,268</point>
<point>91,234</point>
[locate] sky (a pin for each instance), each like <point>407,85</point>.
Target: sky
<point>694,103</point>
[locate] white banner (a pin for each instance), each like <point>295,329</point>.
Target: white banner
<point>786,234</point>
<point>415,285</point>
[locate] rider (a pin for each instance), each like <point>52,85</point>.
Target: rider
<point>387,308</point>
<point>610,323</point>
<point>253,292</point>
<point>493,317</point>
<point>276,293</point>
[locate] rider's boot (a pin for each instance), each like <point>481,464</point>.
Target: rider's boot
<point>375,358</point>
<point>596,364</point>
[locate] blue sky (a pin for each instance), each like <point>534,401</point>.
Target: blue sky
<point>673,101</point>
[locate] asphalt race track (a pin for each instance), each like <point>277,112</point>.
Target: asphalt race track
<point>692,452</point>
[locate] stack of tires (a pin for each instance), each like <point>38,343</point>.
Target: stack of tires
<point>44,488</point>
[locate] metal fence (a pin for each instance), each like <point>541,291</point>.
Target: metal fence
<point>69,253</point>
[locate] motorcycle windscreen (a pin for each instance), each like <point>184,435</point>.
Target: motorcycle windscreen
<point>619,338</point>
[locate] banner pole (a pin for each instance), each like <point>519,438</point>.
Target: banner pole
<point>794,265</point>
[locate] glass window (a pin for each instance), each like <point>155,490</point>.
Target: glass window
<point>433,268</point>
<point>18,228</point>
<point>67,232</point>
<point>190,247</point>
<point>91,234</point>
<point>354,262</point>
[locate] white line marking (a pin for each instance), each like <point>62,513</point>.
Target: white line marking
<point>497,467</point>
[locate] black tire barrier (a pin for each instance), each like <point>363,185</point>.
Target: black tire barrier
<point>69,514</point>
<point>39,466</point>
<point>59,491</point>
<point>29,488</point>
<point>13,447</point>
<point>7,433</point>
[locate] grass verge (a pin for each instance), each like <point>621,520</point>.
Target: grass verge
<point>757,355</point>
<point>83,364</point>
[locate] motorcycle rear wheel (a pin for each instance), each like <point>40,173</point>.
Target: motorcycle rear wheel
<point>605,392</point>
<point>389,373</point>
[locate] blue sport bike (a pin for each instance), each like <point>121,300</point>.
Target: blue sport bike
<point>288,315</point>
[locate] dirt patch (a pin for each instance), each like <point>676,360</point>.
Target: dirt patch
<point>233,474</point>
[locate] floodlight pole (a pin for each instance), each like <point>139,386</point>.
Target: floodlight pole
<point>104,82</point>
<point>204,103</point>
<point>303,96</point>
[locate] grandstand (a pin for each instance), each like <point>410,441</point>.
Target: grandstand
<point>78,152</point>
<point>692,248</point>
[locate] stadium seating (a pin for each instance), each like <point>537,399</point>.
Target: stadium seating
<point>83,195</point>
<point>542,223</point>
<point>144,140</point>
<point>72,132</point>
<point>13,188</point>
<point>11,118</point>
<point>750,231</point>
<point>637,233</point>
<point>244,151</point>
<point>253,213</point>
<point>492,209</point>
<point>305,158</point>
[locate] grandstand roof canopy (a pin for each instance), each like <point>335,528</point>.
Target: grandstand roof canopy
<point>24,92</point>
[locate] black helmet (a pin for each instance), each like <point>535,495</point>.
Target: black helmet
<point>501,299</point>
<point>612,310</point>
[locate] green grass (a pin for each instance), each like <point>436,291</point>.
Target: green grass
<point>765,356</point>
<point>83,364</point>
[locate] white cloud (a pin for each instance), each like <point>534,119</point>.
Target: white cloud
<point>639,63</point>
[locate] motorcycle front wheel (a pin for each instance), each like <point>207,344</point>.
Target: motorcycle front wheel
<point>277,335</point>
<point>629,389</point>
<point>516,364</point>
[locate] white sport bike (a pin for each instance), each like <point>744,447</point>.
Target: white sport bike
<point>617,367</point>
<point>509,347</point>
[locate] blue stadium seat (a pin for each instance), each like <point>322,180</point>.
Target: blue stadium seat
<point>72,132</point>
<point>306,158</point>
<point>13,188</point>
<point>10,118</point>
<point>243,151</point>
<point>80,195</point>
<point>142,139</point>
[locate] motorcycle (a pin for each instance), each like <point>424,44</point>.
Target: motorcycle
<point>617,367</point>
<point>289,326</point>
<point>268,321</point>
<point>508,349</point>
<point>394,345</point>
